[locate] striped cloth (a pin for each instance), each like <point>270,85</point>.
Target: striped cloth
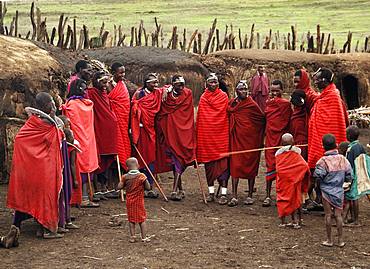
<point>328,115</point>
<point>212,126</point>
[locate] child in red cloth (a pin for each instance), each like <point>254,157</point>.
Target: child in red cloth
<point>135,182</point>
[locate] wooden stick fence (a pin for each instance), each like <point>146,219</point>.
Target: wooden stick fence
<point>68,36</point>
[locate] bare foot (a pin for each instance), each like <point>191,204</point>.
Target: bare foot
<point>341,244</point>
<point>327,244</point>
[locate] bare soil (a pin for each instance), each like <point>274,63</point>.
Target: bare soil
<point>191,235</point>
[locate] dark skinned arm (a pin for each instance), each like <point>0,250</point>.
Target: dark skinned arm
<point>73,168</point>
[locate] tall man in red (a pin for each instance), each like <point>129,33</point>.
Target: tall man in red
<point>120,103</point>
<point>176,134</point>
<point>105,125</point>
<point>247,127</point>
<point>36,174</point>
<point>278,112</point>
<point>212,128</point>
<point>328,115</point>
<point>146,103</point>
<point>260,87</point>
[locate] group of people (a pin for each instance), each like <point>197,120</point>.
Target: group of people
<point>76,158</point>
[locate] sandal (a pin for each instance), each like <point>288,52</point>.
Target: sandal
<point>267,202</point>
<point>72,226</point>
<point>249,201</point>
<point>146,239</point>
<point>62,230</point>
<point>211,198</point>
<point>151,194</point>
<point>51,235</point>
<point>326,244</point>
<point>233,202</point>
<point>182,194</point>
<point>282,225</point>
<point>89,204</point>
<point>132,239</point>
<point>296,226</point>
<point>341,244</point>
<point>222,200</point>
<point>175,197</point>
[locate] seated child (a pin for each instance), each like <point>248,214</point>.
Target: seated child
<point>291,181</point>
<point>332,170</point>
<point>135,182</point>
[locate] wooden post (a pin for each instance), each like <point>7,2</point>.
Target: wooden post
<point>101,29</point>
<point>86,43</point>
<point>38,24</point>
<point>140,32</point>
<point>68,36</point>
<point>11,28</point>
<point>217,40</point>
<point>3,11</point>
<point>132,36</point>
<point>332,50</point>
<point>53,32</point>
<point>240,39</point>
<point>104,38</point>
<point>192,38</point>
<point>245,43</point>
<point>288,42</point>
<point>32,16</point>
<point>318,36</point>
<point>285,42</point>
<point>251,40</point>
<point>199,43</point>
<point>349,38</point>
<point>357,45</point>
<point>366,44</point>
<point>81,40</point>
<point>195,47</point>
<point>16,24</point>
<point>120,41</point>
<point>294,37</point>
<point>322,42</point>
<point>183,47</point>
<point>326,50</point>
<point>258,40</point>
<point>310,45</point>
<point>28,34</point>
<point>60,31</point>
<point>213,44</point>
<point>210,35</point>
<point>74,45</point>
<point>114,35</point>
<point>136,37</point>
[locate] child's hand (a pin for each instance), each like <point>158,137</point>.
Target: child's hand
<point>120,186</point>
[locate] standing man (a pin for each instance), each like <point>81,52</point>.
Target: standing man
<point>212,128</point>
<point>36,175</point>
<point>83,71</point>
<point>146,103</point>
<point>176,134</point>
<point>278,112</point>
<point>328,115</point>
<point>120,103</point>
<point>247,127</point>
<point>260,87</point>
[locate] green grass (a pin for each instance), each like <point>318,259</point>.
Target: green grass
<point>334,16</point>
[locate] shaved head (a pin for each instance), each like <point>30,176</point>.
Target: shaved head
<point>287,139</point>
<point>132,163</point>
<point>45,102</point>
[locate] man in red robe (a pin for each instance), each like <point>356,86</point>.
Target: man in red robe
<point>146,103</point>
<point>260,87</point>
<point>328,115</point>
<point>176,134</point>
<point>120,103</point>
<point>278,112</point>
<point>105,126</point>
<point>247,126</point>
<point>291,170</point>
<point>212,129</point>
<point>80,112</point>
<point>36,174</point>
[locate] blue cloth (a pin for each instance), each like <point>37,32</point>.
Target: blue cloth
<point>332,170</point>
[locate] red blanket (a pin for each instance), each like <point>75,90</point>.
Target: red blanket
<point>81,115</point>
<point>76,196</point>
<point>291,170</point>
<point>135,199</point>
<point>247,126</point>
<point>143,111</point>
<point>120,103</point>
<point>328,116</point>
<point>278,112</point>
<point>175,131</point>
<point>212,126</point>
<point>299,127</point>
<point>36,175</point>
<point>105,122</point>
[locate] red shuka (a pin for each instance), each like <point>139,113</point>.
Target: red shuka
<point>175,130</point>
<point>278,112</point>
<point>212,126</point>
<point>120,103</point>
<point>143,111</point>
<point>36,174</point>
<point>291,170</point>
<point>105,122</point>
<point>247,126</point>
<point>328,115</point>
<point>81,116</point>
<point>76,195</point>
<point>135,199</point>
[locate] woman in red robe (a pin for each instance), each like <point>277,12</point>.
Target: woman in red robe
<point>278,112</point>
<point>212,129</point>
<point>247,126</point>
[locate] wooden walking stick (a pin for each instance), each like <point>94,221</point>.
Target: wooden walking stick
<point>90,187</point>
<point>120,177</point>
<point>151,174</point>
<point>200,183</point>
<point>253,150</point>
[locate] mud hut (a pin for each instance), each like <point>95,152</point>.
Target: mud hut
<point>352,71</point>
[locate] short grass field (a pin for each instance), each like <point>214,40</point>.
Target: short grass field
<point>336,17</point>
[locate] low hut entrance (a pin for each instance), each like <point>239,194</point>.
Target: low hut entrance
<point>350,91</point>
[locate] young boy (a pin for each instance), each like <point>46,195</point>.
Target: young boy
<point>332,170</point>
<point>291,173</point>
<point>355,149</point>
<point>135,182</point>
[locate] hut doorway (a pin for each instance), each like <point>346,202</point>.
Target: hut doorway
<point>350,91</point>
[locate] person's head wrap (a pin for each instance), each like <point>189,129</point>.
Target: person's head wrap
<point>325,74</point>
<point>298,98</point>
<point>242,84</point>
<point>212,77</point>
<point>151,77</point>
<point>178,79</point>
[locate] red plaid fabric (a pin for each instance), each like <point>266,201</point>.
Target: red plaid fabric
<point>135,199</point>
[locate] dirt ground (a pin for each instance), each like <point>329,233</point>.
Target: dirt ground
<point>191,235</point>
